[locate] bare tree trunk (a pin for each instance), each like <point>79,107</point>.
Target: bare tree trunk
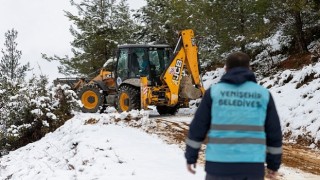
<point>242,25</point>
<point>301,42</point>
<point>12,58</point>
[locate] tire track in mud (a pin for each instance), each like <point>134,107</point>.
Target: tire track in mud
<point>302,158</point>
<point>294,156</point>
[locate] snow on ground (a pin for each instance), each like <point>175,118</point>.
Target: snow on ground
<point>297,97</point>
<point>183,115</point>
<point>105,146</point>
<point>212,77</point>
<point>98,150</point>
<point>285,173</point>
<point>290,174</point>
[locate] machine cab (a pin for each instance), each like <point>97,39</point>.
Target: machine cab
<point>135,61</point>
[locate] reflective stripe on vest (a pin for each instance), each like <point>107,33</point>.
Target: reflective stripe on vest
<point>237,125</point>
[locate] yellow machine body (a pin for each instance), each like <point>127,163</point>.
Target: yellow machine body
<point>104,77</point>
<point>185,61</point>
<point>175,85</point>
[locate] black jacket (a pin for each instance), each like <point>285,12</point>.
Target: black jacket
<point>200,126</point>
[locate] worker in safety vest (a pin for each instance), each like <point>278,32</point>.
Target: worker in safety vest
<point>241,122</point>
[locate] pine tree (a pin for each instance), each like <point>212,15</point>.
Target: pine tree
<point>240,22</point>
<point>154,17</point>
<point>162,20</point>
<point>99,27</point>
<point>9,64</point>
<point>302,18</point>
<point>220,25</point>
<point>29,110</point>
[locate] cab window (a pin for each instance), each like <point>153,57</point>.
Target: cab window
<point>122,67</point>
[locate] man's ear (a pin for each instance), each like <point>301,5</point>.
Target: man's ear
<point>225,68</point>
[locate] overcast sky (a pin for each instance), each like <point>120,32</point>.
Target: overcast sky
<point>42,28</point>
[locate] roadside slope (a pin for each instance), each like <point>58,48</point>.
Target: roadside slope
<point>297,97</point>
<point>91,146</point>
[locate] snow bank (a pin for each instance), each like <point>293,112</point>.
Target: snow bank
<point>104,146</point>
<point>212,77</point>
<point>297,96</point>
<point>98,146</point>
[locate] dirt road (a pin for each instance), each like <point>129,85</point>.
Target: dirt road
<point>301,158</point>
<point>294,156</point>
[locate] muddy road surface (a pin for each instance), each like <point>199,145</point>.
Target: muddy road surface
<point>175,129</point>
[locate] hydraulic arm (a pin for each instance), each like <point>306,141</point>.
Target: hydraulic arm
<point>184,65</point>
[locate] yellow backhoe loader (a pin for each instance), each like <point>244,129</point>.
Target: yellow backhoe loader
<point>146,75</point>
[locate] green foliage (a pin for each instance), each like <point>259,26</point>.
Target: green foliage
<point>99,27</point>
<point>221,27</point>
<point>224,26</point>
<point>241,22</point>
<point>32,110</point>
<point>162,20</point>
<point>302,22</point>
<point>9,64</point>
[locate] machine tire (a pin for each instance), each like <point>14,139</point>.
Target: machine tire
<point>91,98</point>
<point>131,95</point>
<point>167,110</point>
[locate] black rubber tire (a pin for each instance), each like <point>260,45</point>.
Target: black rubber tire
<point>167,110</point>
<point>134,97</point>
<point>100,98</point>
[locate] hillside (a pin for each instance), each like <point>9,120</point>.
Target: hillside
<point>108,146</point>
<point>297,97</point>
<point>143,145</point>
<point>94,146</point>
<point>44,135</point>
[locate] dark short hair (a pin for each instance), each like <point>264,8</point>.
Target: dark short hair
<point>238,59</point>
